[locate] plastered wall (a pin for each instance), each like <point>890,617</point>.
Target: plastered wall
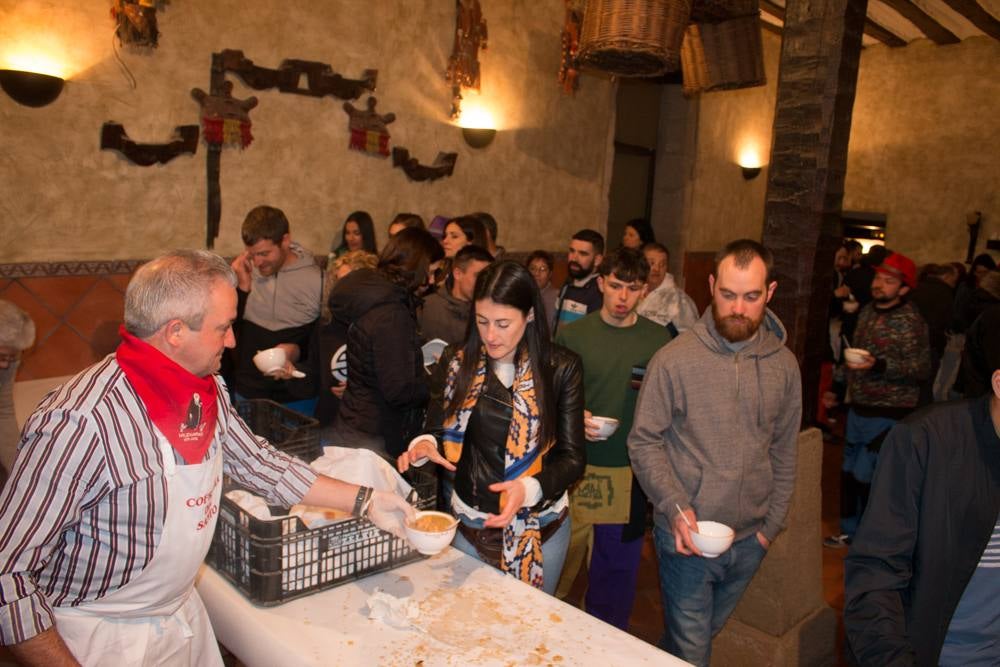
<point>545,175</point>
<point>923,150</point>
<point>925,145</point>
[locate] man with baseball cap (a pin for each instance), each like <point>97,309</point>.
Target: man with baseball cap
<point>884,386</point>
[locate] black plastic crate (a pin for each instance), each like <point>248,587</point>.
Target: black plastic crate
<point>290,431</point>
<point>274,561</point>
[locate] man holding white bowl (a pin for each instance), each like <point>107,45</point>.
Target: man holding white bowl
<point>714,438</point>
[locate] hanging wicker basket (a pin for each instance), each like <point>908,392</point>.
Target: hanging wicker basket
<point>723,56</point>
<point>633,37</point>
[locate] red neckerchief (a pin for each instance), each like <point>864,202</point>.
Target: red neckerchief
<point>183,406</point>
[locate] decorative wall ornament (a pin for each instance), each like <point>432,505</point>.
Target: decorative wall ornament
<point>368,128</point>
<point>135,21</point>
<point>321,80</point>
<point>225,118</point>
<point>113,137</point>
<point>444,165</point>
<point>569,71</point>
<point>463,65</point>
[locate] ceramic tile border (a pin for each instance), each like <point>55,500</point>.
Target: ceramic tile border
<point>48,269</point>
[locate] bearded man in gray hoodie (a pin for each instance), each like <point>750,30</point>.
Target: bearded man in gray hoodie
<point>714,438</point>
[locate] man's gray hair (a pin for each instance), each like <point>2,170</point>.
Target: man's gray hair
<point>174,286</point>
<point>17,330</point>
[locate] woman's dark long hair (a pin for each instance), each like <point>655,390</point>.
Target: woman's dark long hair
<point>509,284</point>
<point>407,257</point>
<point>473,228</point>
<point>367,227</point>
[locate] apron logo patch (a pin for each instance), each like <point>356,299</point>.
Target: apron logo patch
<point>595,491</point>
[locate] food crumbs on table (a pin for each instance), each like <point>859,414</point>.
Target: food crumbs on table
<point>541,649</point>
<point>557,658</point>
<point>555,618</point>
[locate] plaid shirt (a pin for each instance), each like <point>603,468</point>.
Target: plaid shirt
<point>87,498</point>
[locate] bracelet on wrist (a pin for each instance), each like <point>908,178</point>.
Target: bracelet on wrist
<point>361,500</point>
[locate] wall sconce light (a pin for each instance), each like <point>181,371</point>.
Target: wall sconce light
<point>478,137</point>
<point>31,88</point>
<point>749,161</point>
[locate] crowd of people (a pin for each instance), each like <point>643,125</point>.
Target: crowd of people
<point>704,412</point>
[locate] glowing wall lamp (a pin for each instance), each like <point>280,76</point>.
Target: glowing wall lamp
<point>750,163</point>
<point>31,89</point>
<point>478,128</point>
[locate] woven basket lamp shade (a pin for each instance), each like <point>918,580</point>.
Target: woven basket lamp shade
<point>633,37</point>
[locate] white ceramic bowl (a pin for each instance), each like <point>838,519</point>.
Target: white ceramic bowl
<point>850,306</point>
<point>607,428</point>
<point>429,543</point>
<point>855,355</point>
<point>270,360</point>
<point>432,350</point>
<point>712,538</point>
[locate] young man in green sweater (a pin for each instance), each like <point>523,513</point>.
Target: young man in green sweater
<point>607,506</point>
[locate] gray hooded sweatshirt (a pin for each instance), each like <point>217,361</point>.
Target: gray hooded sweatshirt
<point>716,430</point>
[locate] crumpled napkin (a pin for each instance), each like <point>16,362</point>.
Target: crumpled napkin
<point>397,612</point>
<point>361,466</point>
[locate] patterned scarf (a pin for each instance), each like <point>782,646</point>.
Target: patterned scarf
<point>522,539</point>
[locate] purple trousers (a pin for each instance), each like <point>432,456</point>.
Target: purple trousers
<point>611,580</point>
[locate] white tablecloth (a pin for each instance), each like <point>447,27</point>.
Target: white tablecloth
<point>470,614</point>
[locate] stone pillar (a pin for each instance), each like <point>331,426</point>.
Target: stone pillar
<point>817,76</point>
<point>783,618</point>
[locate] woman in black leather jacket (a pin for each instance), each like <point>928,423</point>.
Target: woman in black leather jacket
<point>507,408</point>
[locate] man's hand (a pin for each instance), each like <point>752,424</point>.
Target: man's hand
<point>513,495</point>
<point>764,542</point>
<point>388,511</point>
<point>842,292</point>
<point>830,400</point>
<point>339,389</point>
<point>682,533</point>
<point>244,271</point>
<point>424,449</point>
<point>590,427</point>
<point>867,362</point>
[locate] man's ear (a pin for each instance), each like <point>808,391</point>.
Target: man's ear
<point>173,332</point>
<point>770,290</point>
<point>600,282</point>
<point>286,241</point>
<point>531,314</point>
<point>995,381</point>
<point>904,290</point>
<point>711,284</point>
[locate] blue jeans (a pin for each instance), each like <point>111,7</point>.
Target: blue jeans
<point>859,462</point>
<point>553,549</point>
<point>699,594</point>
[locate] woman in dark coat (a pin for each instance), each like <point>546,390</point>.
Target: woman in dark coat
<point>383,404</point>
<point>507,408</point>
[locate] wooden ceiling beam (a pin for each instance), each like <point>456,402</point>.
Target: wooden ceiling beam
<point>872,29</point>
<point>888,38</point>
<point>924,22</point>
<point>773,9</point>
<point>979,17</point>
<point>770,27</point>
